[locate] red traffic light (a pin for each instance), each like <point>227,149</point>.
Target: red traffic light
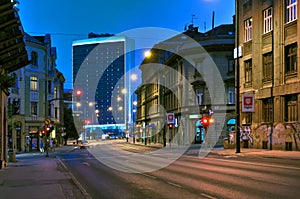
<point>78,92</point>
<point>205,121</point>
<point>170,126</point>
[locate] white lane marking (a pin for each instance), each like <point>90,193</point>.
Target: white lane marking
<point>207,196</point>
<point>86,163</point>
<point>174,184</point>
<point>255,164</point>
<point>269,181</point>
<point>149,176</point>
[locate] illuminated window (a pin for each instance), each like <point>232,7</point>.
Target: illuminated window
<point>199,96</point>
<point>268,21</point>
<point>291,10</point>
<point>248,29</point>
<point>33,83</point>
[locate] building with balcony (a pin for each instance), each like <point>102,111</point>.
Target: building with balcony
<point>268,36</point>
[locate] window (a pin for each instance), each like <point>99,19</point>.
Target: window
<point>50,110</point>
<point>33,83</point>
<point>248,71</point>
<point>291,10</point>
<point>248,118</point>
<point>199,96</point>
<point>268,21</point>
<point>231,96</point>
<point>34,106</point>
<point>231,66</point>
<point>267,112</point>
<point>56,113</point>
<point>291,58</point>
<point>55,92</point>
<point>34,58</point>
<point>49,86</point>
<point>248,29</point>
<point>268,66</point>
<point>291,108</point>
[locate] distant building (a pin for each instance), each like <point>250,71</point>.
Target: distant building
<point>269,73</point>
<point>100,64</point>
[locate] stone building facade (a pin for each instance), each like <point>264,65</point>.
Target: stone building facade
<point>268,35</point>
<point>178,81</point>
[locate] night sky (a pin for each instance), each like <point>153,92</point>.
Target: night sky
<point>69,20</point>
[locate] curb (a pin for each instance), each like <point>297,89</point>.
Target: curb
<point>76,182</point>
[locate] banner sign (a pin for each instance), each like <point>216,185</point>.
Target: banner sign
<point>248,103</point>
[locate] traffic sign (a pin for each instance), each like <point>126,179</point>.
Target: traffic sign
<point>47,121</point>
<point>170,118</point>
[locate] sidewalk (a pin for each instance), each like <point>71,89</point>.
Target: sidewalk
<point>243,152</point>
<point>258,152</point>
<point>36,176</point>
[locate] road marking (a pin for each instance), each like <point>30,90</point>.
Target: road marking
<point>86,163</point>
<point>269,181</point>
<point>174,184</point>
<point>256,164</point>
<point>149,176</point>
<point>207,196</point>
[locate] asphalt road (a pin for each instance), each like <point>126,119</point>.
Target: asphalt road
<point>189,177</point>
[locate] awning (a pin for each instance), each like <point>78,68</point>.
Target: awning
<point>231,121</point>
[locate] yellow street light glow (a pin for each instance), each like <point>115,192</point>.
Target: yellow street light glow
<point>147,54</point>
<point>124,91</point>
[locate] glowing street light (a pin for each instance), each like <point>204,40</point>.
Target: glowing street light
<point>133,77</point>
<point>147,54</point>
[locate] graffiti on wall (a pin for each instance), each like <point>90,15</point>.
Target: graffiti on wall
<point>281,134</point>
<point>245,134</point>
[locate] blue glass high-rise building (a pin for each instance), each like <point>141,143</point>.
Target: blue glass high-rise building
<point>100,65</point>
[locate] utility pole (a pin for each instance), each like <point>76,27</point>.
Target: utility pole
<point>237,78</point>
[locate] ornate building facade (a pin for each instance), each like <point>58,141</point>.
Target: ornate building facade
<point>178,81</point>
<point>36,96</point>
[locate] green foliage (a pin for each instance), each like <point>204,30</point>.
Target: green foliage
<point>71,131</point>
<point>7,81</point>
